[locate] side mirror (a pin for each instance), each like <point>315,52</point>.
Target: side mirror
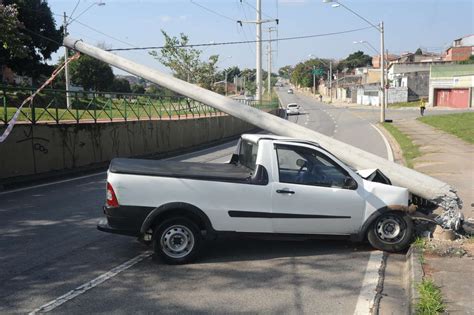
<point>350,183</point>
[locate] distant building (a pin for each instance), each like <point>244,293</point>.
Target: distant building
<point>424,57</point>
<point>451,85</point>
<point>388,58</point>
<point>462,49</point>
<point>414,76</point>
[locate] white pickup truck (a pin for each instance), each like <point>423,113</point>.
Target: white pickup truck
<point>272,185</point>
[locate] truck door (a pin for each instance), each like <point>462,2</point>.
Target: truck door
<point>314,194</point>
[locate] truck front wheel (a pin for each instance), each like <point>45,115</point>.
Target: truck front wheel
<point>392,232</point>
<point>177,240</point>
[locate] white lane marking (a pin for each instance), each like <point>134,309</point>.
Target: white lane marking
<point>387,145</point>
<point>52,183</point>
<point>91,284</point>
<point>366,299</point>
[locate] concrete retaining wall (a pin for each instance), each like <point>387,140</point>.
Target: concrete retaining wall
<point>32,150</point>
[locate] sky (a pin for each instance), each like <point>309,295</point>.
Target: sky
<point>409,24</point>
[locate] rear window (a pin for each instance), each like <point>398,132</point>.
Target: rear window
<point>248,154</point>
<point>292,105</point>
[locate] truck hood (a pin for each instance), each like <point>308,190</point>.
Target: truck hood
<point>381,195</point>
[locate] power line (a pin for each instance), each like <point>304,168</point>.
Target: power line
<point>243,28</point>
<point>74,10</point>
<point>212,11</point>
<point>100,32</point>
<point>248,41</point>
<point>42,36</point>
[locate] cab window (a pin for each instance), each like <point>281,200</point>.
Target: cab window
<point>248,154</point>
<point>301,165</point>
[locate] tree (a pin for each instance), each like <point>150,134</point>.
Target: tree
<point>28,36</point>
<point>419,52</point>
<point>285,71</point>
<point>355,60</point>
<point>120,86</point>
<point>302,73</point>
<point>185,62</point>
<point>11,38</point>
<point>92,74</point>
<point>138,89</point>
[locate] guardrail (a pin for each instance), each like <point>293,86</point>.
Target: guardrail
<point>49,106</point>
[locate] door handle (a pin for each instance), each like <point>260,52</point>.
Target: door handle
<point>285,191</point>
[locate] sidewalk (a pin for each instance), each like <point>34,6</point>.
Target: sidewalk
<point>449,159</point>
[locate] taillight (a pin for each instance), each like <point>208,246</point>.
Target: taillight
<point>111,197</point>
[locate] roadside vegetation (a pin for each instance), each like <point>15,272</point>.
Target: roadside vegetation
<point>410,150</point>
<point>431,301</point>
<point>404,104</point>
<point>460,125</point>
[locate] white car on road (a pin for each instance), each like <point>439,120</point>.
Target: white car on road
<point>272,185</point>
<point>292,109</point>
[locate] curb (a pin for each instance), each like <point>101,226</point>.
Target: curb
<point>413,276</point>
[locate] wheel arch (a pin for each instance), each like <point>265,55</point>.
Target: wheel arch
<point>376,214</point>
<point>178,209</point>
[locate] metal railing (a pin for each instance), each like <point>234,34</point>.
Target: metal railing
<point>50,106</point>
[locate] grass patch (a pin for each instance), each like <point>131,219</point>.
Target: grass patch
<point>419,243</point>
<point>461,125</point>
<point>431,301</point>
<point>410,150</point>
<point>404,104</point>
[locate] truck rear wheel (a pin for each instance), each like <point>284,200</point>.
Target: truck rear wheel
<point>391,232</point>
<point>177,240</point>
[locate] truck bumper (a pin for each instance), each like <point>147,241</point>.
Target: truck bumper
<point>104,226</point>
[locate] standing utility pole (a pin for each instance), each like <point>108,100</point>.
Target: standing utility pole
<point>66,68</point>
<point>258,22</point>
<point>225,82</point>
<point>269,56</point>
<point>259,51</point>
<point>382,74</point>
<point>330,81</point>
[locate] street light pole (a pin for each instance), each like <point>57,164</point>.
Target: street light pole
<point>382,75</point>
<point>379,28</point>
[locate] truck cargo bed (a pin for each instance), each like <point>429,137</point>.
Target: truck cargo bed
<point>191,170</point>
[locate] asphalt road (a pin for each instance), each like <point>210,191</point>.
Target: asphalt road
<point>49,246</point>
<point>346,125</point>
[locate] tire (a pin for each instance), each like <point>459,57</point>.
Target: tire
<point>391,232</point>
<point>177,241</point>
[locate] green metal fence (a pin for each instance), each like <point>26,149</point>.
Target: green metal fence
<point>49,106</point>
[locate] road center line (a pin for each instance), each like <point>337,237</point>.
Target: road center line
<point>91,284</point>
<point>367,294</point>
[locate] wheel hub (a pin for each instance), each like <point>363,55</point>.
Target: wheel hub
<point>177,241</point>
<point>390,229</point>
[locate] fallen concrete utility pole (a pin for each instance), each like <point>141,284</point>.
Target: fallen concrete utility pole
<point>417,183</point>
